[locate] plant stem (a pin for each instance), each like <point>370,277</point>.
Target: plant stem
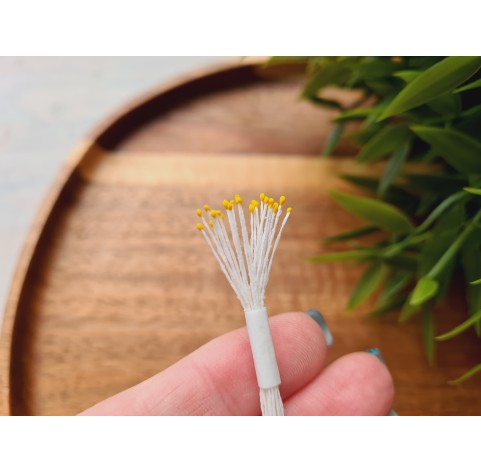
<point>441,208</point>
<point>454,248</point>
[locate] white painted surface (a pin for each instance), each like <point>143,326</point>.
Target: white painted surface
<point>47,105</point>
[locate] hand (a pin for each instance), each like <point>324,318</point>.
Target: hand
<point>219,379</point>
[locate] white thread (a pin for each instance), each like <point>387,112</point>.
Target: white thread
<point>245,257</point>
<point>271,402</point>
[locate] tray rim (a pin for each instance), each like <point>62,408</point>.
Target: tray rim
<point>46,209</point>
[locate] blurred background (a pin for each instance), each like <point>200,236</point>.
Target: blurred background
<point>47,105</point>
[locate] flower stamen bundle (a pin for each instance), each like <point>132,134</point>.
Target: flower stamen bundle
<point>245,255</point>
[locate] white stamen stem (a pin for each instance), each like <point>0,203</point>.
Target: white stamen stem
<point>245,257</point>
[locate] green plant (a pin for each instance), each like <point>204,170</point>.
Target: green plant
<point>419,110</point>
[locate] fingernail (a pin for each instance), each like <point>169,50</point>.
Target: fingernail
<point>376,352</point>
<point>319,319</point>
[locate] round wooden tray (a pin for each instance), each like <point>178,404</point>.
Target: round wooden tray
<point>115,284</point>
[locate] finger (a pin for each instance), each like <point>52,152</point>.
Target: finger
<point>219,378</point>
<point>356,384</point>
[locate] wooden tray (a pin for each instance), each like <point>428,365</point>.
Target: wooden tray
<point>115,284</point>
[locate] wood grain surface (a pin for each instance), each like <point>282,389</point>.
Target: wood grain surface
<point>115,283</point>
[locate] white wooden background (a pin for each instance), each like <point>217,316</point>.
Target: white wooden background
<point>46,106</point>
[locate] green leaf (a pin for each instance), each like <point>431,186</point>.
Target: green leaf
<point>442,237</point>
<point>403,262</point>
<point>381,88</point>
<point>428,157</point>
<point>474,191</point>
<point>474,180</point>
<point>432,252</point>
<point>471,263</point>
<point>375,212</point>
<point>394,166</point>
<point>377,68</point>
<point>425,289</point>
<point>355,255</point>
<point>455,247</point>
<point>439,79</point>
<point>333,73</point>
<point>414,239</point>
<point>355,233</point>
<point>325,102</point>
<point>386,307</point>
<point>426,202</point>
<point>363,136</point>
<point>469,113</point>
<point>333,139</point>
<point>458,149</point>
<point>366,285</point>
<point>407,311</point>
<point>362,181</point>
<point>423,62</point>
<point>440,210</point>
<point>395,284</point>
<point>386,141</point>
<point>471,260</point>
<point>354,114</point>
<point>447,105</point>
<point>469,121</point>
<point>407,75</point>
<point>395,194</point>
<point>428,335</point>
<point>467,375</point>
<point>439,184</point>
<point>470,86</point>
<point>438,255</point>
<point>274,60</point>
<point>423,115</point>
<point>460,328</point>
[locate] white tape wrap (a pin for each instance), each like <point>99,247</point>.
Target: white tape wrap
<point>262,348</point>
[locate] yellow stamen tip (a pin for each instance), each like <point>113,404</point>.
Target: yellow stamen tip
<point>213,213</point>
<point>275,207</point>
<point>262,196</point>
<point>219,213</point>
<point>200,226</point>
<point>266,200</point>
<point>289,210</point>
<point>238,199</point>
<point>211,223</point>
<point>206,207</point>
<point>252,208</point>
<point>282,200</point>
<point>271,201</point>
<point>199,212</point>
<point>225,204</point>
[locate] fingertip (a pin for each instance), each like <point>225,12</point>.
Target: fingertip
<point>300,350</point>
<point>298,326</point>
<point>373,374</point>
<point>355,384</point>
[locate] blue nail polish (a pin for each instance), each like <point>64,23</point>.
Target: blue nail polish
<point>319,319</point>
<point>376,352</point>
